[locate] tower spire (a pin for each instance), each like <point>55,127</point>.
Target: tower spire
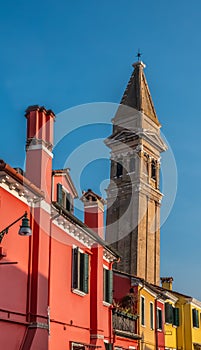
<point>137,93</point>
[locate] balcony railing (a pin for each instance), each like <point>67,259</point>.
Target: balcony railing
<point>124,322</point>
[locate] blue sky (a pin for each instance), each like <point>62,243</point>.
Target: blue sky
<point>63,54</point>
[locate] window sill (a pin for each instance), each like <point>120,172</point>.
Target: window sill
<point>105,303</point>
<point>78,292</point>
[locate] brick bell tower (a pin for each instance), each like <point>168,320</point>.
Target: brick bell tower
<point>133,195</point>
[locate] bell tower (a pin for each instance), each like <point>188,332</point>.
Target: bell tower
<point>133,195</point>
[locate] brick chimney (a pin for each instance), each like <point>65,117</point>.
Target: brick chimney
<point>94,211</point>
<point>166,282</point>
<point>39,146</point>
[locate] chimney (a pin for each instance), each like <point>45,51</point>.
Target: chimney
<point>166,282</point>
<point>94,211</point>
<point>39,146</point>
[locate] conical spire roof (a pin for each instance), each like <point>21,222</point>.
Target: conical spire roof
<point>137,94</point>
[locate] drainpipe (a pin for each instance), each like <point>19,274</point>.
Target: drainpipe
<point>138,320</point>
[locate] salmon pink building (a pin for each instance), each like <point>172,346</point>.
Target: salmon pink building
<point>56,275</point>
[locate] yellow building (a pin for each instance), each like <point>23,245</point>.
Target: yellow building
<point>188,331</point>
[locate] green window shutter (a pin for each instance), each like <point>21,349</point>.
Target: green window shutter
<point>104,285</point>
<point>108,346</point>
<point>68,201</point>
<point>176,316</point>
<point>109,286</point>
<point>168,313</point>
<point>197,319</point>
<point>195,316</point>
<point>86,274</point>
<point>142,311</point>
<point>59,194</point>
<point>75,268</point>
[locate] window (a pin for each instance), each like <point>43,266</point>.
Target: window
<point>195,316</point>
<point>80,271</point>
<point>64,198</point>
<point>171,314</point>
<point>142,311</point>
<point>159,319</point>
<point>153,170</point>
<point>109,346</point>
<point>107,286</point>
<point>119,170</point>
<point>151,316</point>
<point>132,164</point>
<point>75,346</point>
<point>168,313</point>
<point>176,316</point>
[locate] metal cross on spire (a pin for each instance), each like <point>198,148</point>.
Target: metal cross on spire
<point>139,54</point>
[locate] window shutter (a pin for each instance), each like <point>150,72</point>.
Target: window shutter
<point>109,286</point>
<point>59,194</point>
<point>108,346</point>
<point>71,204</point>
<point>195,318</point>
<point>142,311</point>
<point>104,285</point>
<point>86,273</point>
<point>176,316</point>
<point>68,201</point>
<point>168,313</point>
<point>75,268</point>
<point>151,316</point>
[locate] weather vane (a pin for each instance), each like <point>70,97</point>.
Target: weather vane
<point>139,54</point>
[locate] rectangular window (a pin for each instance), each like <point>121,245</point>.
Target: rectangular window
<point>109,346</point>
<point>195,316</point>
<point>80,271</point>
<point>168,313</point>
<point>64,198</point>
<point>176,316</point>
<point>151,315</point>
<point>159,319</point>
<point>108,286</point>
<point>142,311</point>
<point>75,346</point>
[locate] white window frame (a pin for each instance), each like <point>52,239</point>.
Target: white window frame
<point>151,326</point>
<point>159,308</point>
